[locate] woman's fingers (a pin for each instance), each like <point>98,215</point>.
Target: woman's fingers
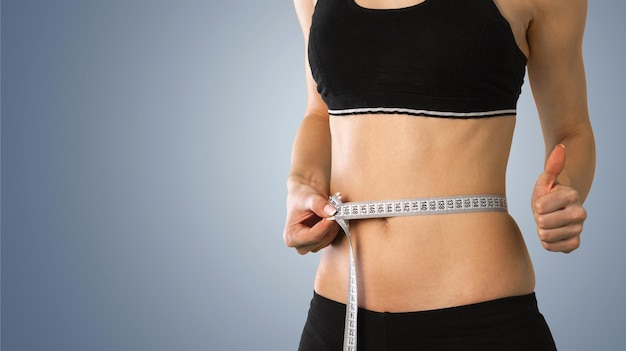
<point>306,229</point>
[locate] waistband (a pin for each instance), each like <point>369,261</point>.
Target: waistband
<point>523,303</point>
<point>510,323</point>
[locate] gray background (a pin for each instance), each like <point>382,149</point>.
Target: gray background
<point>145,145</point>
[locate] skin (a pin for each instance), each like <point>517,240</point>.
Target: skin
<point>428,262</point>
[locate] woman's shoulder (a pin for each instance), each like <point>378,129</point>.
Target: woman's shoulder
<point>305,4</point>
<point>544,10</point>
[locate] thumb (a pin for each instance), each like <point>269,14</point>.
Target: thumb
<point>320,206</point>
<point>554,167</point>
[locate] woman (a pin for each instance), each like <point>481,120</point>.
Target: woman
<point>411,99</point>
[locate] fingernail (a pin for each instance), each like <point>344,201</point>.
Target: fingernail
<point>329,210</point>
<point>560,145</point>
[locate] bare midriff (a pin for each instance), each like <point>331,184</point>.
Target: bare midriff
<point>424,262</point>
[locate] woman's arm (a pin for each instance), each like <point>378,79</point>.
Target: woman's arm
<point>557,76</point>
<point>309,177</point>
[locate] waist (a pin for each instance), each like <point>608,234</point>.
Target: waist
<point>426,262</point>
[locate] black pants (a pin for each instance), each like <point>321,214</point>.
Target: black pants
<point>512,323</point>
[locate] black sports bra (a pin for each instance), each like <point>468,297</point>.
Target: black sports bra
<point>439,58</point>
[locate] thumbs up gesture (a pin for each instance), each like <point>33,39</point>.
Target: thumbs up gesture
<point>557,207</point>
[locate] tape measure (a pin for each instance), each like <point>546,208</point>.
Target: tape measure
<point>395,208</point>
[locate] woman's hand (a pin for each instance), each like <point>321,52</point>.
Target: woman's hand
<point>306,228</point>
<point>557,207</point>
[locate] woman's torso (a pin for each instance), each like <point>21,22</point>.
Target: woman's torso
<point>425,262</point>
